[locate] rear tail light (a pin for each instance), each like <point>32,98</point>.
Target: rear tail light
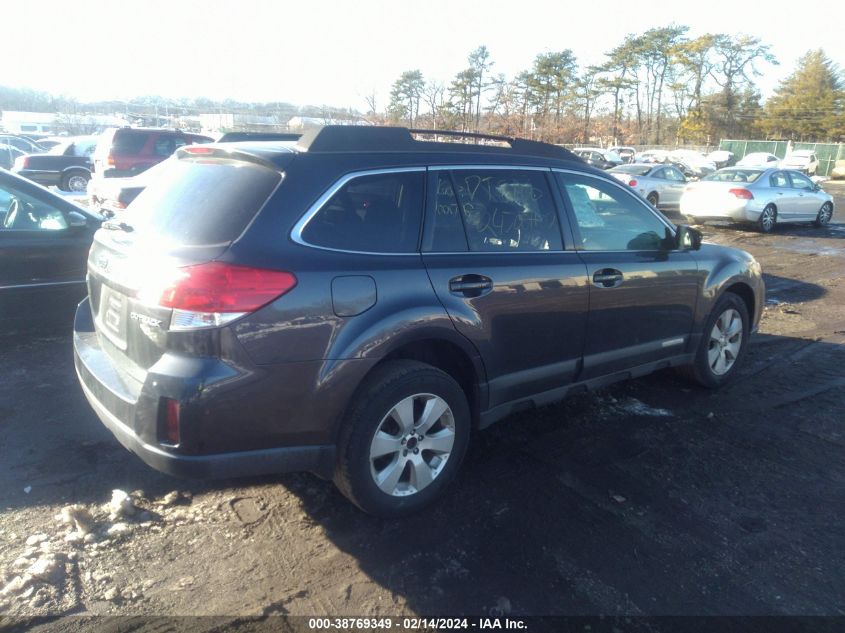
<point>215,293</point>
<point>110,160</point>
<point>742,194</point>
<point>169,429</point>
<point>632,183</point>
<point>22,162</point>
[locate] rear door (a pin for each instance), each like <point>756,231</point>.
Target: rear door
<point>642,292</point>
<point>494,251</point>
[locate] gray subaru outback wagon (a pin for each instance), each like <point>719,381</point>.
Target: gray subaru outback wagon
<point>355,303</point>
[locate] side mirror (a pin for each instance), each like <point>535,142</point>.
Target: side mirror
<point>688,238</point>
<point>76,219</point>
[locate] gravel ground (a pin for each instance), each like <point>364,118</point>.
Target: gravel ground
<point>651,497</point>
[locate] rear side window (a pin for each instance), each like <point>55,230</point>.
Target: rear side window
<point>203,202</point>
<point>378,213</point>
<point>128,143</point>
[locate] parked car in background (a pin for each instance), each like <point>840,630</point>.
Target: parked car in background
<point>759,196</point>
<point>597,157</point>
<point>838,170</point>
<point>67,165</point>
<point>803,160</point>
<point>758,159</point>
<point>27,146</point>
<point>44,242</point>
<point>652,156</point>
<point>625,153</point>
<point>343,306</point>
<point>692,163</point>
<point>660,185</point>
<point>8,155</point>
<point>721,158</point>
<point>126,152</point>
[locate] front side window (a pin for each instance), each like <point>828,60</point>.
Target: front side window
<point>378,213</point>
<point>499,210</point>
<point>673,174</point>
<point>22,212</point>
<point>801,182</point>
<point>611,219</point>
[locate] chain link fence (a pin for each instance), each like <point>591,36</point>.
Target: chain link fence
<point>827,153</point>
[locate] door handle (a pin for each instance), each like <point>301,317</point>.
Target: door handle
<point>470,285</point>
<point>608,278</point>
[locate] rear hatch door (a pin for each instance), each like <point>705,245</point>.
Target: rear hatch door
<point>190,215</point>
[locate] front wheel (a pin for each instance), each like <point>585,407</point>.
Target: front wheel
<point>723,343</point>
<point>403,439</point>
<point>824,215</point>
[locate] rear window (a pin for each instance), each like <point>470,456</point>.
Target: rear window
<point>203,202</point>
<point>636,170</point>
<point>128,143</point>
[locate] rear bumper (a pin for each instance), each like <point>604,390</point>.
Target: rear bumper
<point>738,213</point>
<point>130,411</point>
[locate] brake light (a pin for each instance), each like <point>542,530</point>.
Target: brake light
<point>742,193</point>
<point>110,160</point>
<point>632,183</point>
<point>215,293</point>
<point>192,149</point>
<point>170,429</point>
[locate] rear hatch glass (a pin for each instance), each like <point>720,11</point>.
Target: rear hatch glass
<point>202,201</point>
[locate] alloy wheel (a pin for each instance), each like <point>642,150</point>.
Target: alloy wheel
<point>412,444</point>
<point>725,342</point>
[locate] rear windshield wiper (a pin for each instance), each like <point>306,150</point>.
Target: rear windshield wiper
<point>117,226</point>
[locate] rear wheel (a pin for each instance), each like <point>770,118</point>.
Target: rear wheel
<point>768,219</point>
<point>723,343</point>
<point>652,199</point>
<point>824,215</point>
<point>76,181</point>
<point>403,439</point>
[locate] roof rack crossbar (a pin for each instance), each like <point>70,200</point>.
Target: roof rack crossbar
<point>351,138</point>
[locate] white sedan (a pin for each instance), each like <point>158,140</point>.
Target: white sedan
<point>758,159</point>
<point>760,196</point>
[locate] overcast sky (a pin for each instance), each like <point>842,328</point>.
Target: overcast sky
<point>334,53</point>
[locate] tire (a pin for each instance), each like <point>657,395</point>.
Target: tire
<point>652,199</point>
<point>720,351</point>
<point>76,181</point>
<point>824,215</point>
<point>767,220</point>
<point>411,472</point>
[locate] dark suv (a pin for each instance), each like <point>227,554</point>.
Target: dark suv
<point>354,305</point>
<point>128,151</point>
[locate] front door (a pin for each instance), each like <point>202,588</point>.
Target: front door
<point>495,255</point>
<point>642,291</point>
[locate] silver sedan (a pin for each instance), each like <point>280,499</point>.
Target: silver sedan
<point>760,196</point>
<point>661,185</point>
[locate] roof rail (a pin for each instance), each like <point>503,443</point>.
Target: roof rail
<point>353,138</point>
